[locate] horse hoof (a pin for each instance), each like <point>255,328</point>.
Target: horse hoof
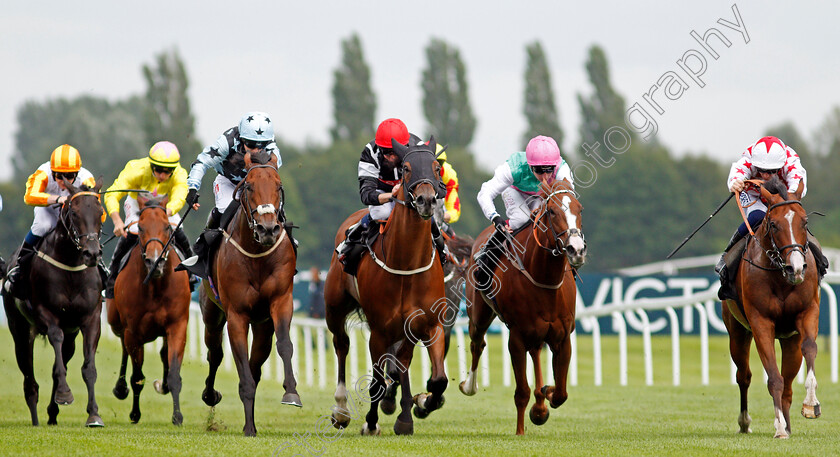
<point>464,391</point>
<point>64,398</point>
<point>94,422</point>
<point>177,418</point>
<point>134,417</point>
<point>249,431</point>
<point>291,399</point>
<point>420,413</point>
<point>121,391</point>
<point>782,436</point>
<point>368,432</point>
<point>404,428</point>
<point>160,387</point>
<point>211,398</point>
<point>811,412</point>
<point>537,419</point>
<point>340,423</point>
<point>388,405</point>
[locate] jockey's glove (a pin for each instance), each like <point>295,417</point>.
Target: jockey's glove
<point>499,223</point>
<point>192,196</point>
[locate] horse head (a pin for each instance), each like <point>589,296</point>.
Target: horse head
<point>262,197</point>
<point>421,184</point>
<point>81,216</point>
<point>154,231</point>
<point>559,220</point>
<point>785,227</point>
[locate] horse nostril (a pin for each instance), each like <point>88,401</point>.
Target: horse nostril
<point>276,230</point>
<point>421,200</point>
<point>788,270</point>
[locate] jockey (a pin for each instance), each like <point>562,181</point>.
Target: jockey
<point>159,174</point>
<point>379,180</point>
<point>762,160</point>
<point>46,191</point>
<point>451,203</point>
<point>518,181</point>
<point>254,133</point>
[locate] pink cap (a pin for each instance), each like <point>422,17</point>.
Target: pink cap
<point>542,150</point>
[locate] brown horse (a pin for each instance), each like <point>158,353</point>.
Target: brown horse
<point>252,274</point>
<point>139,313</point>
<point>399,289</point>
<point>65,299</point>
<point>533,292</point>
<point>779,299</point>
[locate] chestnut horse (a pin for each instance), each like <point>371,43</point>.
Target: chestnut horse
<point>139,313</point>
<point>533,292</point>
<point>399,289</point>
<point>251,285</point>
<point>778,289</point>
<point>66,299</point>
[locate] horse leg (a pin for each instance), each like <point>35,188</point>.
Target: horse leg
<point>24,340</point>
<point>260,349</point>
<point>481,316</point>
<point>336,314</point>
<point>539,412</point>
<point>121,388</point>
<point>562,356</point>
<point>438,381</point>
<point>764,331</point>
<point>238,334</point>
<point>161,386</point>
<point>138,380</point>
<point>739,349</point>
<point>791,362</point>
<point>523,391</point>
<point>61,391</point>
<point>378,350</point>
<point>91,330</point>
<point>404,424</point>
<point>808,326</point>
<point>68,348</point>
<point>214,325</point>
<point>176,341</point>
<point>388,404</point>
<point>281,314</point>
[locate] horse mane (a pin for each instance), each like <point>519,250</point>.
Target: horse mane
<point>155,201</point>
<point>776,186</point>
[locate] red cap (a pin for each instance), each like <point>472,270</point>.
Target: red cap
<point>391,128</point>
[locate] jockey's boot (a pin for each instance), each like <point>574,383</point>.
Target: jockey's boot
<point>17,282</point>
<point>124,246</point>
<point>355,237</point>
<point>440,243</point>
<point>722,269</point>
<point>822,261</point>
<point>487,259</point>
<point>198,264</point>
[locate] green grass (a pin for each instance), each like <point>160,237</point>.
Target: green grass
<point>608,420</point>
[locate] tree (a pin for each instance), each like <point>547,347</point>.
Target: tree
<point>167,113</point>
<point>603,109</point>
<point>540,109</point>
<point>354,103</point>
<point>446,103</point>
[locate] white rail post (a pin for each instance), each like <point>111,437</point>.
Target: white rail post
<point>832,325</point>
<point>505,358</point>
<point>621,326</point>
<point>227,351</point>
<point>308,368</point>
<point>293,336</point>
<point>646,346</point>
<point>462,352</point>
<point>322,357</point>
<point>573,362</point>
<point>354,354</point>
<point>704,343</point>
<point>675,345</point>
<point>485,365</point>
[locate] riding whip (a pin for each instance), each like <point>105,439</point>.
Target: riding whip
<point>166,246</point>
<point>701,225</point>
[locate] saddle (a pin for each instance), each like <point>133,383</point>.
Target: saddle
<point>357,248</point>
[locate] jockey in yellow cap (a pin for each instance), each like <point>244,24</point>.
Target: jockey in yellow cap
<point>159,174</point>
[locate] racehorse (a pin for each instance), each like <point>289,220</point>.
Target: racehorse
<point>65,299</point>
<point>399,290</point>
<point>251,283</point>
<point>533,292</point>
<point>454,279</point>
<point>778,289</point>
<point>139,313</point>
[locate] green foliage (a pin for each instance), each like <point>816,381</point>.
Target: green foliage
<point>603,109</point>
<point>354,103</point>
<point>446,103</point>
<point>167,115</point>
<point>540,109</point>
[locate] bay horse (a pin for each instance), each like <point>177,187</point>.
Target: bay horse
<point>140,313</point>
<point>65,299</point>
<point>251,286</point>
<point>778,289</point>
<point>399,290</point>
<point>533,292</point>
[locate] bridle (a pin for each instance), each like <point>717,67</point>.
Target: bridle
<point>409,187</point>
<point>165,255</point>
<point>560,245</point>
<point>775,254</point>
<point>66,220</point>
<point>260,209</point>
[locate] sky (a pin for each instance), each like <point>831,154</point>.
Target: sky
<point>279,57</point>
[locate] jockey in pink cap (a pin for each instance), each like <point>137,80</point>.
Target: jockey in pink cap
<point>518,181</point>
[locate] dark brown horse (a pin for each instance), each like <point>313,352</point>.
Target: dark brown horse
<point>66,299</point>
<point>533,292</point>
<point>140,313</point>
<point>778,287</point>
<point>253,271</point>
<point>399,289</point>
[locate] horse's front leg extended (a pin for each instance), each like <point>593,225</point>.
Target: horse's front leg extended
<point>281,314</point>
<point>238,333</point>
<point>808,326</point>
<point>91,330</point>
<point>764,331</point>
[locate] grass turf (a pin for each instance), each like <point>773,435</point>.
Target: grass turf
<point>606,420</point>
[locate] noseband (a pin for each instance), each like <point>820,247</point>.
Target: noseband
<point>261,209</point>
<point>559,243</point>
<point>775,254</point>
<point>67,222</point>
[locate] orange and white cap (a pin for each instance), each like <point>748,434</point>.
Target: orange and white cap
<point>65,159</point>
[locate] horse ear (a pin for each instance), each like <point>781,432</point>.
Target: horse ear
<point>799,190</point>
<point>142,199</point>
<point>69,185</point>
<point>247,160</point>
<point>272,160</point>
<point>98,185</point>
<point>767,196</point>
<point>432,144</point>
<point>164,201</point>
<point>399,148</point>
